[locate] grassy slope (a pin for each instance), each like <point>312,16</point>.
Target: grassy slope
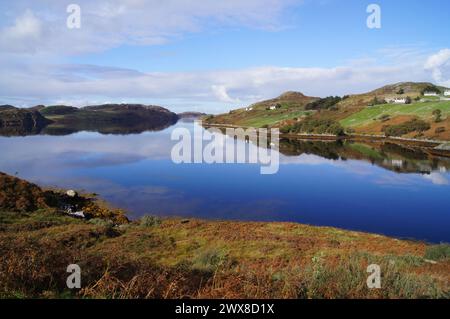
<point>422,110</point>
<point>292,106</point>
<point>351,112</point>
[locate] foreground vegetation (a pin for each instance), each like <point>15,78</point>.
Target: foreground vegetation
<point>189,258</point>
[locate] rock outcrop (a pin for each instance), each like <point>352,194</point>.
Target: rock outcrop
<point>15,121</point>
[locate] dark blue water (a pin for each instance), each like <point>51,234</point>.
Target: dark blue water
<point>393,193</point>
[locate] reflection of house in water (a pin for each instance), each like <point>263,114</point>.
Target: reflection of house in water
<point>397,163</point>
<point>394,162</point>
<point>425,167</point>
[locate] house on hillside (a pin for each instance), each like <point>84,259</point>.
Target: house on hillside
<point>447,93</point>
<point>396,100</point>
<point>429,93</point>
<point>249,108</point>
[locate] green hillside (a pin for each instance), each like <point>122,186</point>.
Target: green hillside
<point>287,106</point>
<point>366,112</point>
<point>423,110</point>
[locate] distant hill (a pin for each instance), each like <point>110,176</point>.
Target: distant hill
<point>288,99</point>
<point>286,106</point>
<point>107,118</point>
<point>57,110</point>
<point>190,115</point>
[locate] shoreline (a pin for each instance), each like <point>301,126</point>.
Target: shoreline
<point>429,145</point>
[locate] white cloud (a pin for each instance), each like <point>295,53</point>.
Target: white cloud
<point>439,64</point>
<point>220,91</point>
<point>437,178</point>
<point>439,59</point>
<point>44,82</point>
<point>24,35</point>
<point>111,23</point>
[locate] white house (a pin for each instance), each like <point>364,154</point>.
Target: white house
<point>447,93</point>
<point>396,100</point>
<point>249,109</point>
<point>273,107</point>
<point>400,101</point>
<point>430,94</point>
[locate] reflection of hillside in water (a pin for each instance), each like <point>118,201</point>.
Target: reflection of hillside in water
<point>391,156</point>
<point>19,131</point>
<point>102,128</point>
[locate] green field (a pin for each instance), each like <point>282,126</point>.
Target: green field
<point>268,118</point>
<point>423,110</point>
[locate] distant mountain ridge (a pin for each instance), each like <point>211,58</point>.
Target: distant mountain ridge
<point>106,118</point>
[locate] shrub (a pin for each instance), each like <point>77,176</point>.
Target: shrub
<point>431,88</point>
<point>315,126</point>
<point>415,125</point>
<point>210,260</point>
<point>438,252</point>
<point>437,115</point>
<point>286,129</point>
<point>150,221</point>
<point>350,130</point>
<point>324,104</point>
<point>101,222</point>
<point>385,117</point>
<point>376,101</point>
<point>408,100</point>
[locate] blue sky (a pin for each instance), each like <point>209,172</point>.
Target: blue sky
<point>312,34</point>
<point>211,55</point>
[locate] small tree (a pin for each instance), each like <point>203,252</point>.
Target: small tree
<point>408,100</point>
<point>401,91</point>
<point>437,115</point>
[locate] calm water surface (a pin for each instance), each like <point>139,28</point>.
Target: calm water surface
<point>383,189</point>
